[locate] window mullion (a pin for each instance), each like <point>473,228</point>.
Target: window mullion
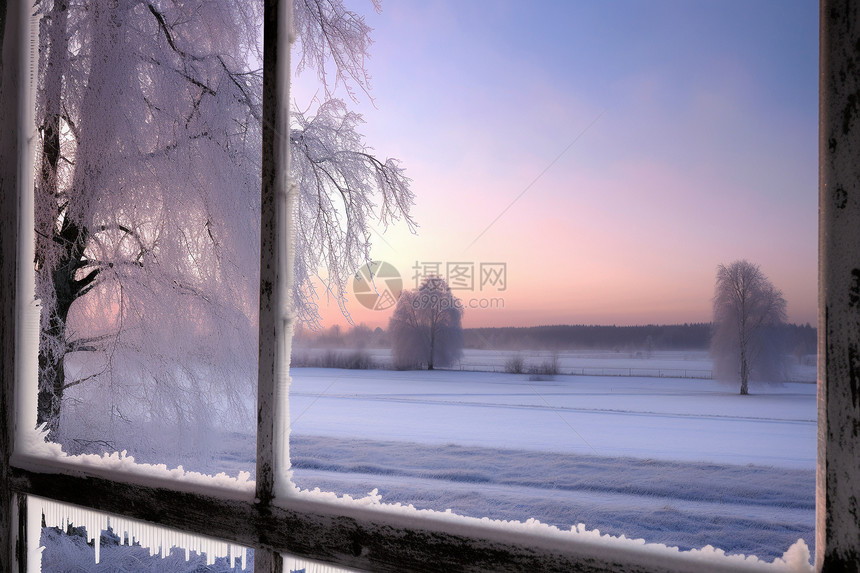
<point>276,262</point>
<point>837,528</point>
<point>12,82</point>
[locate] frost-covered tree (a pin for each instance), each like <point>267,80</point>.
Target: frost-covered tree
<point>148,205</point>
<point>748,310</point>
<point>343,187</point>
<point>147,210</point>
<point>426,327</point>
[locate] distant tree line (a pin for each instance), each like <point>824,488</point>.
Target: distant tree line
<point>799,340</point>
<point>575,337</point>
<point>359,336</point>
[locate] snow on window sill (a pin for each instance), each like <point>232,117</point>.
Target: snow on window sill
<point>796,559</point>
<point>35,453</point>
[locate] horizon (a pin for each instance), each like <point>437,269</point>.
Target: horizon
<point>650,325</point>
<point>610,159</point>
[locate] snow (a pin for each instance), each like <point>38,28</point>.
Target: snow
<point>795,559</point>
<point>676,461</point>
<point>660,418</point>
<point>36,453</point>
<point>158,540</point>
<point>672,431</point>
<point>742,509</point>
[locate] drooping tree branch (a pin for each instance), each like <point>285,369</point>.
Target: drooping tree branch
<point>329,160</point>
<point>327,30</point>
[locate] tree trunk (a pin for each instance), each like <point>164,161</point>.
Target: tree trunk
<point>432,344</point>
<point>52,343</point>
<point>48,238</point>
<point>743,339</point>
<point>61,236</point>
<point>52,374</point>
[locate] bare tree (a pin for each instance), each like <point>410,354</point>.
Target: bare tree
<point>426,329</point>
<point>748,309</point>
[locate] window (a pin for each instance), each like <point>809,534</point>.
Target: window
<point>361,537</point>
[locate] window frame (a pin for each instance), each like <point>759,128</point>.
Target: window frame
<point>373,540</point>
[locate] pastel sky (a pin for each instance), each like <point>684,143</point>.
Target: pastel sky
<point>660,139</point>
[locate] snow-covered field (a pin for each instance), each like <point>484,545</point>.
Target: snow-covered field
<point>679,461</point>
<point>661,418</point>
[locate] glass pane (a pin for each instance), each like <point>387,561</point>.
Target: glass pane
<point>146,229</point>
<point>297,565</point>
<point>71,538</point>
<point>579,174</point>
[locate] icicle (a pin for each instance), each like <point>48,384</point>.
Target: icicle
<point>157,540</point>
<point>34,534</point>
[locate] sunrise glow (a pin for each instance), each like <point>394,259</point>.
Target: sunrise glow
<point>653,141</point>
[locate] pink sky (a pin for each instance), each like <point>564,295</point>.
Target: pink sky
<point>704,152</point>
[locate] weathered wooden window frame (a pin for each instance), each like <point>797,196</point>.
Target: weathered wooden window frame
<point>375,541</point>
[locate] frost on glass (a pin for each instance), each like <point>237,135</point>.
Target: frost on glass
<point>146,229</point>
<point>72,538</point>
